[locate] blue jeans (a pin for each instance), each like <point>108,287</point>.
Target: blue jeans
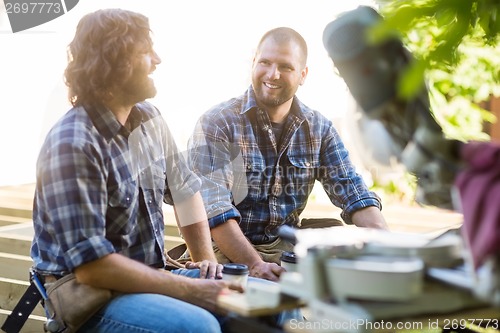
<point>154,313</point>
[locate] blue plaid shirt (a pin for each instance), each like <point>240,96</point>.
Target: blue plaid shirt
<point>263,183</point>
<point>100,188</point>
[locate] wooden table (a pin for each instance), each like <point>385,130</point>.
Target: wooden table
<point>247,314</point>
<point>239,304</point>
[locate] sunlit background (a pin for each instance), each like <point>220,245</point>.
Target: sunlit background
<point>206,49</point>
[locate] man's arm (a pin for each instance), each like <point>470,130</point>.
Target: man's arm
<point>117,272</point>
<point>211,156</point>
<point>369,217</point>
<point>234,245</point>
<point>193,225</point>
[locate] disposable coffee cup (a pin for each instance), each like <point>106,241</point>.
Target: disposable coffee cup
<point>289,261</point>
<point>237,273</point>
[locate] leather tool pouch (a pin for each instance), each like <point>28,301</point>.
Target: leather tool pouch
<point>74,303</point>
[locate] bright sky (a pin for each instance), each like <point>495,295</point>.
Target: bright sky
<point>206,49</point>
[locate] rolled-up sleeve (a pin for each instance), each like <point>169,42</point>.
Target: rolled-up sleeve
<point>344,186</point>
<point>212,157</point>
<point>73,195</point>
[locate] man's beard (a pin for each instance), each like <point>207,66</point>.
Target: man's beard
<point>271,101</point>
<point>135,91</point>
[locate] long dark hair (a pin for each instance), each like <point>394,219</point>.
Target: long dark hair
<point>99,57</point>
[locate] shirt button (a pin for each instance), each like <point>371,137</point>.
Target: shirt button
<point>276,189</point>
<point>249,166</point>
<point>150,201</point>
<point>308,164</point>
<point>127,198</point>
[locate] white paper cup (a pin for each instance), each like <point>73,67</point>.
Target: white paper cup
<point>236,273</point>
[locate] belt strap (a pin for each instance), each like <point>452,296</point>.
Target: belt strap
<point>15,321</point>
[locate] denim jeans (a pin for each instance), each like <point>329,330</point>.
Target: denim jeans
<point>154,313</point>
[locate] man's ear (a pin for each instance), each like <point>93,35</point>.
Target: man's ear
<point>303,75</point>
<point>253,61</point>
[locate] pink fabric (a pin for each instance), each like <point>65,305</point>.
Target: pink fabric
<point>479,187</point>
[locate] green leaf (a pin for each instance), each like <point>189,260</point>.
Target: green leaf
<point>412,80</point>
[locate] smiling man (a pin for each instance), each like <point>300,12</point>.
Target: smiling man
<point>103,173</point>
<point>260,154</point>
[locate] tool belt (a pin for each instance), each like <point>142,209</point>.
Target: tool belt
<point>67,303</point>
<point>15,321</point>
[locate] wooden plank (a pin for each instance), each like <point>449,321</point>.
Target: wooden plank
<point>171,242</point>
<point>25,190</point>
<point>15,266</point>
<point>20,229</point>
<point>171,230</point>
<point>15,244</point>
<point>26,229</point>
<point>243,305</point>
<point>11,292</point>
<point>34,324</point>
<point>9,220</point>
<point>22,245</point>
<point>17,211</point>
<point>17,200</point>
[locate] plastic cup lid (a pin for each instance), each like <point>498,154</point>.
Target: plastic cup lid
<point>289,257</point>
<point>237,269</point>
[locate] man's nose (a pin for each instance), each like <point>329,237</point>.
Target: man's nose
<point>156,58</point>
<point>274,73</point>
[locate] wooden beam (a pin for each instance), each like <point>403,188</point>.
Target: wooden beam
<point>15,210</point>
<point>26,191</point>
<point>33,324</point>
<point>11,292</point>
<point>21,245</point>
<point>9,220</point>
<point>15,244</point>
<point>171,242</point>
<point>14,266</point>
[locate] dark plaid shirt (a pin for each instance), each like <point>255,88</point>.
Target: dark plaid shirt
<point>100,188</point>
<point>249,176</point>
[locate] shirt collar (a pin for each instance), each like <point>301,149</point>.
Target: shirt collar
<point>297,108</point>
<point>106,123</point>
<point>250,102</point>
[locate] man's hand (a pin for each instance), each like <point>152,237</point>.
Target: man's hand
<point>208,269</point>
<point>237,248</point>
<point>369,217</point>
<point>266,270</point>
<point>204,293</point>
